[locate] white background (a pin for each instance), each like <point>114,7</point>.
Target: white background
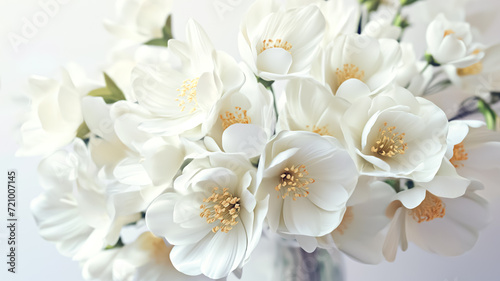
<point>75,34</point>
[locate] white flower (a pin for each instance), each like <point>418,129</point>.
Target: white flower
<point>382,28</point>
<point>450,42</point>
<point>125,56</point>
<point>411,73</point>
<point>476,77</point>
<point>244,119</point>
<point>360,233</point>
<point>104,146</point>
<point>282,44</point>
<point>395,134</point>
<point>359,57</point>
<point>309,179</point>
<point>144,165</point>
<point>55,112</point>
<point>181,99</point>
<point>139,20</point>
<point>213,219</point>
<point>426,11</point>
<point>312,107</point>
<point>146,258</point>
<point>342,16</point>
<point>474,152</point>
<point>446,184</point>
<point>142,149</point>
<point>74,211</point>
<point>444,226</point>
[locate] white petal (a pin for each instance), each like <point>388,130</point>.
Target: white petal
<point>353,89</point>
<point>298,218</point>
<point>224,253</point>
<point>246,138</point>
<point>274,60</point>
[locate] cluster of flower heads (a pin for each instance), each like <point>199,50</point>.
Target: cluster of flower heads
<point>197,155</point>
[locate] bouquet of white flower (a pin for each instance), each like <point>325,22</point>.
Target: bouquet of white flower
<point>325,136</point>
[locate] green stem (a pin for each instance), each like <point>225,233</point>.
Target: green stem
<point>425,68</point>
<point>269,86</point>
<point>274,103</point>
<point>118,244</point>
<point>488,113</point>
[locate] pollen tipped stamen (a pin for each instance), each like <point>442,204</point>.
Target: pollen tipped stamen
<point>474,69</point>
<point>323,131</point>
<point>459,155</point>
<point>223,207</point>
<point>389,143</point>
<point>448,32</point>
<point>431,208</point>
<point>187,95</point>
<point>294,181</point>
<point>278,43</point>
<point>238,117</point>
<point>349,71</point>
<point>346,221</point>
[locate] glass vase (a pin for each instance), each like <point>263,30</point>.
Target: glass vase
<point>292,263</point>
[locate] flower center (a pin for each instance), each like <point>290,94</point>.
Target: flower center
<point>156,247</point>
<point>238,117</point>
<point>473,69</point>
<point>448,32</point>
<point>294,181</point>
<point>346,220</point>
<point>349,71</point>
<point>323,131</point>
<point>389,143</point>
<point>431,208</point>
<point>223,207</point>
<point>187,95</point>
<point>470,70</point>
<point>459,155</point>
<point>278,43</point>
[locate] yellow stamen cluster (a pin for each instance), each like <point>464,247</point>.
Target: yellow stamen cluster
<point>156,247</point>
<point>346,220</point>
<point>389,143</point>
<point>187,94</point>
<point>448,32</point>
<point>278,43</point>
<point>238,117</point>
<point>431,208</point>
<point>470,70</point>
<point>459,155</point>
<point>323,131</point>
<point>349,71</point>
<point>223,207</point>
<point>294,181</point>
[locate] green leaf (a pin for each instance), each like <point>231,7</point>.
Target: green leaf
<point>115,91</point>
<point>401,21</point>
<point>167,35</point>
<point>407,2</point>
<point>101,92</point>
<point>167,29</point>
<point>157,42</point>
<point>82,131</point>
<point>394,183</point>
<point>430,60</point>
<point>372,5</point>
<point>489,114</point>
<point>111,93</point>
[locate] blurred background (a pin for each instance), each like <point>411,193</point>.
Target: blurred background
<point>74,33</point>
